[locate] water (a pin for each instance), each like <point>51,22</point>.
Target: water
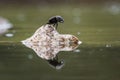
<point>91,63</point>
<point>97,58</point>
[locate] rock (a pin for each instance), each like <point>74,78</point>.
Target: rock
<point>4,25</point>
<point>47,42</point>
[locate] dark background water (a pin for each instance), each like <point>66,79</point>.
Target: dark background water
<point>55,1</point>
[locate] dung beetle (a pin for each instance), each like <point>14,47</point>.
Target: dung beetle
<point>54,20</point>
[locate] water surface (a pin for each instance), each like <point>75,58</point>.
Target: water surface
<point>98,58</point>
<point>91,63</point>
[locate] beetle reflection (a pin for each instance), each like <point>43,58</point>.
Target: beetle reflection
<point>47,43</point>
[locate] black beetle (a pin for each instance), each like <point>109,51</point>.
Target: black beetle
<point>54,20</point>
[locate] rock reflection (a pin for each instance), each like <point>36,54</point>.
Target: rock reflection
<point>47,42</point>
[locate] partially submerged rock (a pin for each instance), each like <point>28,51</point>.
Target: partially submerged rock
<point>47,42</point>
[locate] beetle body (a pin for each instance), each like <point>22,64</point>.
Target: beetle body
<point>54,20</point>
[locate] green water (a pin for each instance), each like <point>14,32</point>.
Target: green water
<point>96,24</point>
<point>99,56</point>
<point>91,63</point>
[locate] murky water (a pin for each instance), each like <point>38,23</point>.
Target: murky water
<point>97,58</point>
<point>87,63</point>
